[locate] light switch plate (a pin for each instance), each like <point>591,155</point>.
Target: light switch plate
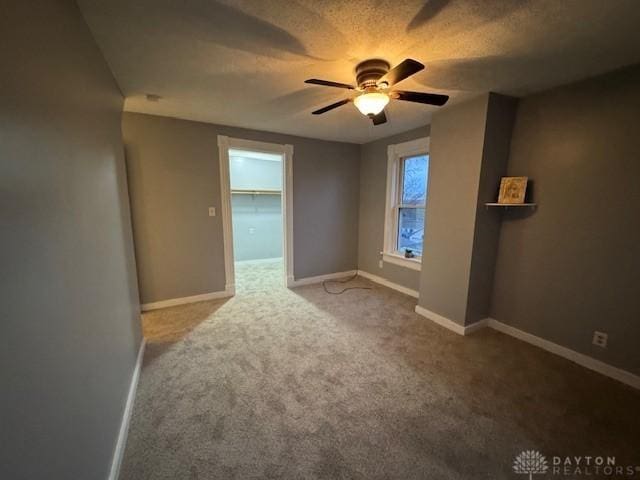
<point>212,211</point>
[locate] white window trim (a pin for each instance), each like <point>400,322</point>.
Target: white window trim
<point>395,154</point>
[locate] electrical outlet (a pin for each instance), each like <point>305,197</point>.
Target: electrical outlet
<point>380,264</point>
<point>600,339</point>
<point>212,211</point>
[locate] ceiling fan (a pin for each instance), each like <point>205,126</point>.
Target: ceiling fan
<point>375,79</point>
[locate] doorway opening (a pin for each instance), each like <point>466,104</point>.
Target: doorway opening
<point>256,210</point>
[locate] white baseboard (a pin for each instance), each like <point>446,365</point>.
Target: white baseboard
<point>581,359</point>
<point>320,278</point>
<point>450,324</point>
<point>172,302</point>
<point>474,327</point>
<point>121,442</point>
<point>386,283</point>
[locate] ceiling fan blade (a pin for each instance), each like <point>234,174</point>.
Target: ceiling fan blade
<point>379,119</point>
<point>331,107</point>
<point>401,71</point>
<point>327,83</point>
<point>419,97</point>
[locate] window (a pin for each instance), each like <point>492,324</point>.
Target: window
<point>407,178</point>
<point>413,199</point>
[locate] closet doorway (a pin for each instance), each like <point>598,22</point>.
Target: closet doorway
<point>256,211</point>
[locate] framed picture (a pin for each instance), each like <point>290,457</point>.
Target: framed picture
<point>512,190</point>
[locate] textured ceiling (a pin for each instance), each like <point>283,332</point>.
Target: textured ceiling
<point>243,63</point>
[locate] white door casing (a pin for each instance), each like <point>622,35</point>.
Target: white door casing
<point>224,145</point>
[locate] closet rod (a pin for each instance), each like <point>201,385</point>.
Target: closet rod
<point>243,191</point>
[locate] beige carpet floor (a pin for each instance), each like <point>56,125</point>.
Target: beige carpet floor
<point>299,384</point>
<point>262,275</point>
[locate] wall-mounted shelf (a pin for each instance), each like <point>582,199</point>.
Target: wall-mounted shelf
<point>242,191</point>
<point>511,205</point>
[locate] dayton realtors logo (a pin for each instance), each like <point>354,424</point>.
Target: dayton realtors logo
<point>532,462</point>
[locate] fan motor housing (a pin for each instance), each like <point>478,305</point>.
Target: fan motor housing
<point>370,71</point>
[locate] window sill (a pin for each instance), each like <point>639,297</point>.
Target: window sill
<point>397,259</point>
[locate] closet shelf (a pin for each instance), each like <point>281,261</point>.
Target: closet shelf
<point>242,191</point>
<point>509,205</point>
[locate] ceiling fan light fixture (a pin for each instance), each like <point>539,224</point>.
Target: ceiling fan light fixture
<point>374,79</point>
<point>371,103</point>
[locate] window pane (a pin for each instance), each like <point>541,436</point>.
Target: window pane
<point>414,180</point>
<point>411,229</point>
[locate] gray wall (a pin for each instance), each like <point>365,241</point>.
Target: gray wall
<point>257,226</point>
<point>457,141</point>
<point>70,327</point>
<point>373,186</point>
<point>572,267</point>
<point>501,112</point>
<point>173,180</point>
<point>174,177</point>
